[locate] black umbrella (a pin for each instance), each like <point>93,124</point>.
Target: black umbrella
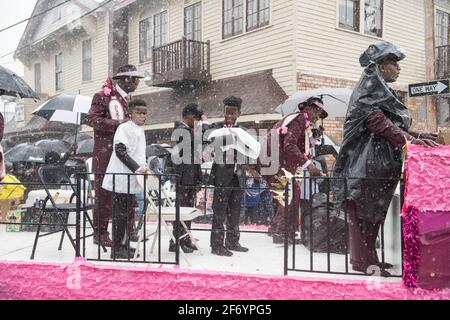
<point>13,85</point>
<point>59,146</point>
<point>65,108</point>
<point>85,147</point>
<point>77,138</point>
<point>6,145</point>
<point>26,153</point>
<point>156,150</point>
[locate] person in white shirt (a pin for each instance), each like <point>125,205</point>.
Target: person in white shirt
<point>128,157</point>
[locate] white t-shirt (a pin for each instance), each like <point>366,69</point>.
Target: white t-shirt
<point>133,137</point>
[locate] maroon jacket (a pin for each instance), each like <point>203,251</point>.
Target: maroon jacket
<point>105,127</point>
<point>380,125</point>
<point>292,144</point>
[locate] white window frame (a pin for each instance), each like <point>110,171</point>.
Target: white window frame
<point>145,59</point>
<point>361,29</point>
<point>436,8</point>
<point>19,113</point>
<point>84,59</point>
<point>59,72</point>
<point>167,29</point>
<point>38,86</point>
<point>201,18</point>
<point>244,21</point>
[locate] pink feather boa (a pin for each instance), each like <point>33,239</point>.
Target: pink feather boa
<point>109,89</point>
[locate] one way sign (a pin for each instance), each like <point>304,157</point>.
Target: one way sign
<point>429,88</point>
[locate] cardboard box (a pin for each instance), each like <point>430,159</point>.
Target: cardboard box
<point>444,136</point>
<point>14,216</point>
<point>8,204</point>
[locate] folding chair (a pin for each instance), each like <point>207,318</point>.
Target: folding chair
<point>167,214</point>
<point>54,177</point>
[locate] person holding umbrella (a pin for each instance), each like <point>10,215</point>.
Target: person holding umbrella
<point>295,136</point>
<point>109,109</point>
<point>376,129</point>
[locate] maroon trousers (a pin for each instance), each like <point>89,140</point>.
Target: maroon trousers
<point>104,207</point>
<point>279,223</point>
<point>362,239</point>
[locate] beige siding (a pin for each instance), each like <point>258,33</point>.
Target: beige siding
<point>324,49</point>
<point>72,63</point>
<point>267,48</point>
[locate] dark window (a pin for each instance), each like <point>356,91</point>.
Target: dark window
<point>193,22</point>
<point>232,17</point>
<point>37,78</point>
<point>160,29</point>
<point>349,14</point>
<point>145,40</point>
<point>442,44</point>
<point>442,28</point>
<point>87,60</point>
<point>258,13</point>
<point>59,71</point>
<point>373,17</point>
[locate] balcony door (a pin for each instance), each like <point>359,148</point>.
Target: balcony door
<point>193,34</point>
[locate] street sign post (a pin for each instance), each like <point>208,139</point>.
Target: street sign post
<point>431,88</point>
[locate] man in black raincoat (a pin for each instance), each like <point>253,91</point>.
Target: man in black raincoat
<point>376,129</point>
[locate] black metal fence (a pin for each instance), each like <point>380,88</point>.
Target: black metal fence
<point>322,246</point>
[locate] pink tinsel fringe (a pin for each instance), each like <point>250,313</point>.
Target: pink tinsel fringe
<point>411,249</point>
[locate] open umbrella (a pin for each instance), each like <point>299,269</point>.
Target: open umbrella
<point>65,108</point>
<point>335,101</point>
<point>157,150</point>
<point>6,145</point>
<point>56,145</point>
<point>78,137</point>
<point>85,147</point>
<point>13,85</point>
<point>26,153</point>
<point>327,146</point>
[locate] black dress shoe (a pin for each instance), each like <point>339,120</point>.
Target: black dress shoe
<point>385,265</point>
<point>221,251</point>
<point>237,247</point>
<point>172,248</point>
<point>189,244</point>
<point>105,240</point>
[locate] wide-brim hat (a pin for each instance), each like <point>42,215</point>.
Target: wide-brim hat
<point>316,103</point>
<point>380,52</point>
<point>127,71</point>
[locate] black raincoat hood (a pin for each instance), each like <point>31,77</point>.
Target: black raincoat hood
<point>364,155</point>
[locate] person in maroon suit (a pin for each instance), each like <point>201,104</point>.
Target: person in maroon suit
<point>294,133</point>
<point>108,110</point>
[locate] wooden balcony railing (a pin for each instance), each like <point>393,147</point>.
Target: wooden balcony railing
<point>443,62</point>
<point>181,62</point>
